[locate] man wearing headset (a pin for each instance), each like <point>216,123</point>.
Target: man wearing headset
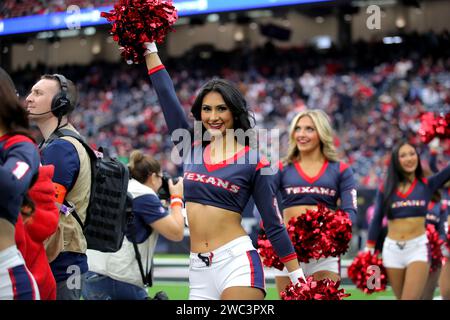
<point>49,103</point>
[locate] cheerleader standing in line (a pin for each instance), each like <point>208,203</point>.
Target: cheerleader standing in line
<point>444,279</point>
<point>404,198</point>
<point>436,216</point>
<point>312,174</point>
<point>220,175</point>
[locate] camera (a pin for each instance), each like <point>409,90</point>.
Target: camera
<point>163,192</point>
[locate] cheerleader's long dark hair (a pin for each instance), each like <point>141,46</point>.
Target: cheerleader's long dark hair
<point>13,116</point>
<point>242,119</point>
<point>395,175</point>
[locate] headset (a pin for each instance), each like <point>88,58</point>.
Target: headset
<point>60,103</point>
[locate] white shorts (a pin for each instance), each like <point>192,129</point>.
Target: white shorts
<point>399,254</point>
<point>331,264</point>
<point>235,264</point>
<point>16,281</point>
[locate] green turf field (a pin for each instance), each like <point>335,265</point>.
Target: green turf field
<point>180,291</point>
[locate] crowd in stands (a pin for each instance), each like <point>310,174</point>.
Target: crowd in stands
<point>373,93</point>
<point>19,8</point>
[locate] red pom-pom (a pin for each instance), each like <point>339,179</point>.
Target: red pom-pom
<point>362,272</point>
<point>435,247</point>
<point>320,233</point>
<point>325,289</point>
<point>432,126</point>
<point>137,21</point>
<point>268,256</point>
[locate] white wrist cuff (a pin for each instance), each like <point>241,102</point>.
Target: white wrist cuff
<point>296,274</point>
<point>184,214</point>
<point>151,48</point>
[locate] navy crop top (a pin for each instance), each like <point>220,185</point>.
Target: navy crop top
<point>19,163</point>
<point>413,203</point>
<point>224,185</point>
<point>334,181</point>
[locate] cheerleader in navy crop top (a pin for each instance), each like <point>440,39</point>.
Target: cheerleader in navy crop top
<point>331,181</point>
<point>413,203</point>
<point>404,198</point>
<point>225,185</point>
<point>334,182</point>
<point>19,163</point>
<point>438,214</point>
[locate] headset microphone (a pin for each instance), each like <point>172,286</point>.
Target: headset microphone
<point>51,110</point>
<point>38,114</point>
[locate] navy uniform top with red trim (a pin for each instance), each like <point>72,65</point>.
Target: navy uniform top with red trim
<point>334,181</point>
<point>437,216</point>
<point>445,194</point>
<point>223,185</point>
<point>413,203</point>
<point>19,163</point>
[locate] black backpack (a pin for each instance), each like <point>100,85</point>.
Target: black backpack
<point>110,204</point>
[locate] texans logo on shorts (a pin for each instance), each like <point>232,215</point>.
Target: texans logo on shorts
<point>401,245</point>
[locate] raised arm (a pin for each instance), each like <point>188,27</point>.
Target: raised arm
<point>438,180</point>
<point>172,109</point>
<point>434,150</point>
<point>433,161</point>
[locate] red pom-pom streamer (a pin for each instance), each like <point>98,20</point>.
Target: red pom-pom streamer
<point>325,289</point>
<point>320,233</point>
<point>432,126</point>
<point>435,247</point>
<point>363,271</point>
<point>268,256</point>
<point>137,21</point>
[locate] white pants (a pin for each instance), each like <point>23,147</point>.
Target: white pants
<point>16,281</point>
<point>309,268</point>
<point>235,264</point>
<point>399,254</point>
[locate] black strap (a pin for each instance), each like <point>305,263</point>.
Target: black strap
<point>147,281</point>
<point>67,133</point>
<point>64,133</point>
<point>74,213</point>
